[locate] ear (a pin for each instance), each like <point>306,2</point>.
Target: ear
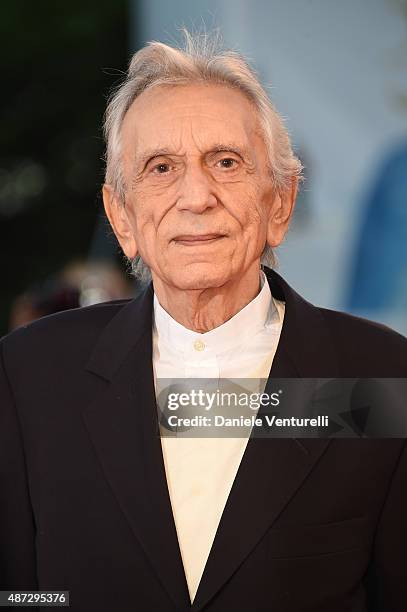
<point>280,214</point>
<point>118,217</point>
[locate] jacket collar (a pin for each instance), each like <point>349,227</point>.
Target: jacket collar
<point>231,335</point>
<point>305,348</point>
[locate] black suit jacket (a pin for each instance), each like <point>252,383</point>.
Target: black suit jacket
<point>310,525</point>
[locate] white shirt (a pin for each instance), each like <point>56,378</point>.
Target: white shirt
<point>200,471</point>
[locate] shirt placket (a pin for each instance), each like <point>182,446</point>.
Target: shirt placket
<point>200,360</point>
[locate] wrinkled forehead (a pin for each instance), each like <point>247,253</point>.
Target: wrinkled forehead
<point>185,116</point>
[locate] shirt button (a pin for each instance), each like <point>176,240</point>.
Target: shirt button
<point>199,345</point>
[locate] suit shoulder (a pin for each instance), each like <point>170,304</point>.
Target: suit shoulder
<point>347,323</point>
<point>382,350</point>
<point>76,324</point>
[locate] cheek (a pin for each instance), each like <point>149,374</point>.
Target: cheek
<point>141,223</point>
<point>149,220</point>
<point>144,211</point>
<point>245,206</point>
<point>152,203</point>
<point>258,208</point>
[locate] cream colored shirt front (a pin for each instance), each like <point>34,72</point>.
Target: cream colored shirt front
<point>200,471</point>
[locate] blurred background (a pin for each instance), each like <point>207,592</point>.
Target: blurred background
<point>337,72</point>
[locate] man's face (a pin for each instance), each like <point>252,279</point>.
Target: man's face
<point>198,192</point>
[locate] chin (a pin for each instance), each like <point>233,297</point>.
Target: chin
<point>199,276</point>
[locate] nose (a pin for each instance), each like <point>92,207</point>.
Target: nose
<point>196,191</point>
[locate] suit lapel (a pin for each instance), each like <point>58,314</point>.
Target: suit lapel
<point>272,470</point>
<point>270,473</point>
<point>122,423</point>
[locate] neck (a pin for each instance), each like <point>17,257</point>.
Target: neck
<point>204,309</point>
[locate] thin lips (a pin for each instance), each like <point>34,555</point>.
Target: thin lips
<point>193,238</point>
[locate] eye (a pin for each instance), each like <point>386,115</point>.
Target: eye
<point>162,168</point>
<point>227,163</point>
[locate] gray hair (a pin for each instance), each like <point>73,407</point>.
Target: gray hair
<point>201,59</point>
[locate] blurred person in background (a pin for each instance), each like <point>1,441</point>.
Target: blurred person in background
<point>379,269</point>
<point>78,284</point>
<point>201,184</point>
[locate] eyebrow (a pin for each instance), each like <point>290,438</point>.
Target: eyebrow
<point>150,154</point>
<point>231,148</point>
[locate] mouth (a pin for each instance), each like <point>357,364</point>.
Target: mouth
<point>197,239</point>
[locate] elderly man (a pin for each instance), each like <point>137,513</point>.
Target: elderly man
<point>200,187</point>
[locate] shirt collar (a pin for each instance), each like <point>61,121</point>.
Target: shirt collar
<point>261,312</point>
